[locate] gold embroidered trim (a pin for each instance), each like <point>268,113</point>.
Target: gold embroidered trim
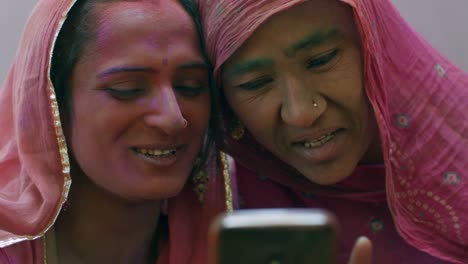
<point>227,181</point>
<point>44,250</point>
<point>62,144</point>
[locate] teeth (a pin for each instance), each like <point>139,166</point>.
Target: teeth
<point>156,152</point>
<point>319,142</point>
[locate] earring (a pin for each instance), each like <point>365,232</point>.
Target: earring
<point>200,181</point>
<point>238,130</point>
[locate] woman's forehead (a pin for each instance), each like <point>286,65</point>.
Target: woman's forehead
<point>157,22</point>
<point>306,25</point>
<point>159,13</point>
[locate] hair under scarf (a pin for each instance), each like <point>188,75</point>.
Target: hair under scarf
<point>420,103</point>
<point>34,164</point>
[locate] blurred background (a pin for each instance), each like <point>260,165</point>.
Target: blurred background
<point>442,22</point>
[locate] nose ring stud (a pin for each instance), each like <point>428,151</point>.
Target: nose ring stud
<point>314,104</point>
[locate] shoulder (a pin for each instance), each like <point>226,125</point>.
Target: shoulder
<point>28,252</point>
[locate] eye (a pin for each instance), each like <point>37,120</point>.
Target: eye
<point>322,60</point>
<point>126,94</point>
<point>256,84</point>
<point>189,90</point>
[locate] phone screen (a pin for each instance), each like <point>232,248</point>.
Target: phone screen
<point>272,236</point>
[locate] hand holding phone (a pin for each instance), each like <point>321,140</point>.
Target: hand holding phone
<point>274,236</point>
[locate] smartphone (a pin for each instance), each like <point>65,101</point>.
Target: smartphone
<point>274,236</point>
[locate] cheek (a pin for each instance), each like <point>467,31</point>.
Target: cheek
<point>258,116</point>
<point>241,109</point>
<point>197,113</point>
<point>345,90</point>
<point>95,124</point>
<point>85,139</point>
<point>344,82</point>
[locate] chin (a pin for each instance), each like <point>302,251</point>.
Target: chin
<point>152,196</point>
<point>170,192</point>
<point>324,177</point>
<point>153,192</point>
<point>323,181</point>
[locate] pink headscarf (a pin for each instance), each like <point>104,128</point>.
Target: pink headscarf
<point>34,163</point>
<point>420,102</point>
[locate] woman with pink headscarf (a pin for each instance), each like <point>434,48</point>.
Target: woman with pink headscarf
<point>114,95</point>
<point>341,105</point>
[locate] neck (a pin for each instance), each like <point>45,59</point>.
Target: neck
<point>102,228</point>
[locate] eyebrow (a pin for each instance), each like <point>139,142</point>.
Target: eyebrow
<point>120,69</point>
<point>125,69</point>
<point>312,40</point>
<point>247,66</point>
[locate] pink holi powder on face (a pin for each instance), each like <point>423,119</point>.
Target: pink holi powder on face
<point>165,62</point>
<point>154,103</point>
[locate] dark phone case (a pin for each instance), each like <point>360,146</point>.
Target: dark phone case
<point>287,243</point>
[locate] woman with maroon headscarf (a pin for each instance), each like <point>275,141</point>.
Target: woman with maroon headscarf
<point>341,105</point>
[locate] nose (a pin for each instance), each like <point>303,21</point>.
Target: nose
<point>165,112</point>
<point>301,105</point>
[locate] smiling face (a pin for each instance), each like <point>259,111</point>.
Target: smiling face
<point>140,100</point>
<point>297,85</point>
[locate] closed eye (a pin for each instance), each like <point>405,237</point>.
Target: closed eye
<point>256,84</point>
<point>125,94</point>
<point>322,60</point>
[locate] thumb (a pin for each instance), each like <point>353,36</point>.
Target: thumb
<point>362,251</point>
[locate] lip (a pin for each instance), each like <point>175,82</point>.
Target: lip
<point>161,161</point>
<point>324,153</point>
<point>159,146</point>
<point>314,134</point>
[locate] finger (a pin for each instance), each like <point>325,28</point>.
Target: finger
<point>362,251</point>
